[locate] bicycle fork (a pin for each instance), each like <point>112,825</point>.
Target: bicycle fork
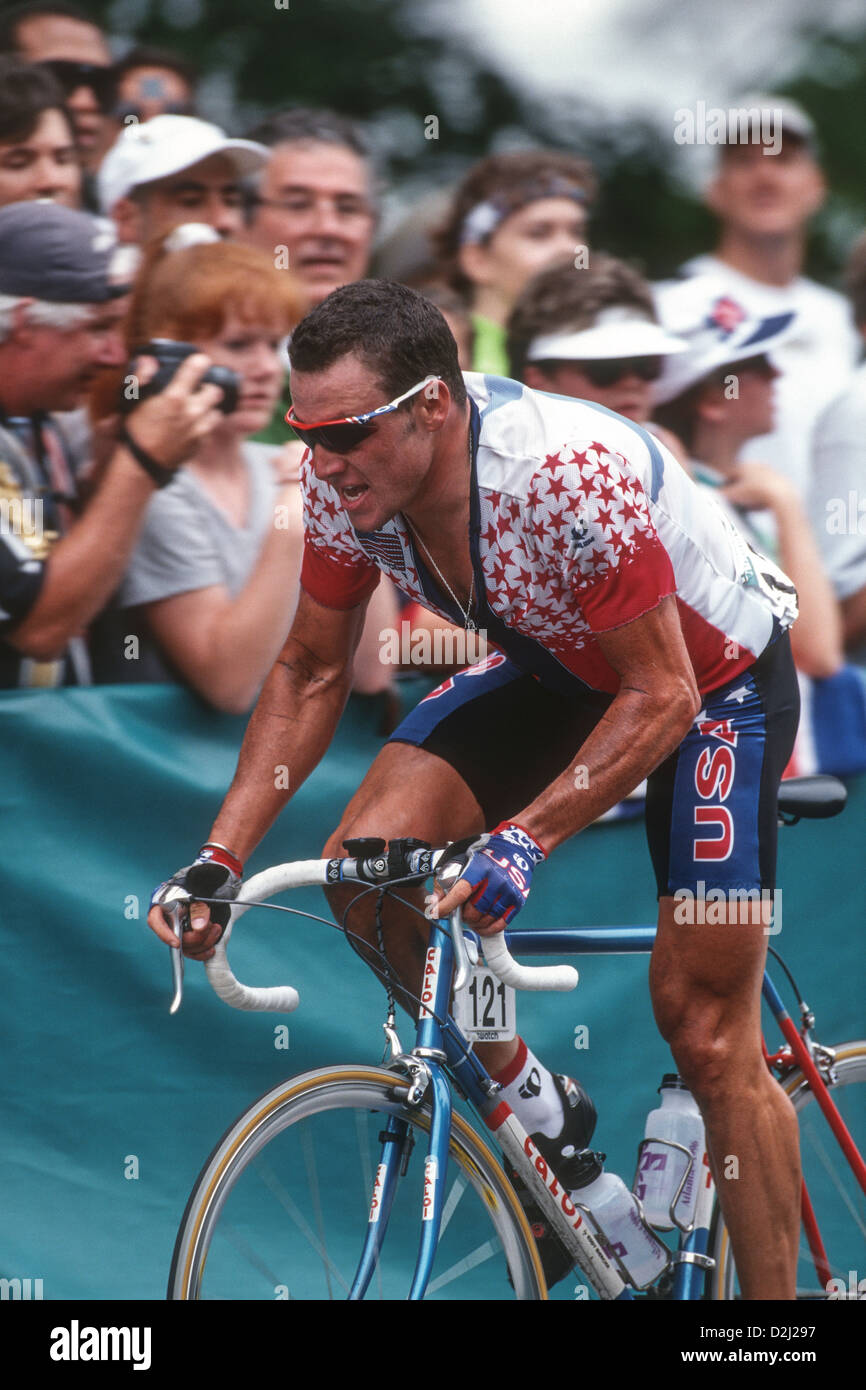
<point>424,1065</point>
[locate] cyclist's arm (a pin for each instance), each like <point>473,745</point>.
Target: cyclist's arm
<point>290,729</point>
<point>293,721</point>
<point>649,717</point>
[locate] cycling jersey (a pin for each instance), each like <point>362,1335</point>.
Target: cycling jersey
<point>580,522</point>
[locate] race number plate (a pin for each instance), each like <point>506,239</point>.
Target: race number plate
<point>485,1009</point>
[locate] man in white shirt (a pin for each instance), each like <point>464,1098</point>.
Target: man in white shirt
<point>837,494</point>
<point>764,194</point>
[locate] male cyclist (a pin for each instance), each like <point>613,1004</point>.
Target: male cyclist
<point>638,637</point>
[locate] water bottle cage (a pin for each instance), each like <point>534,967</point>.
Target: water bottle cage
<point>669,1144</point>
<point>609,1248</point>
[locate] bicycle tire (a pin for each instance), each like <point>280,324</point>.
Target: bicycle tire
<point>231,1245</point>
<point>838,1200</point>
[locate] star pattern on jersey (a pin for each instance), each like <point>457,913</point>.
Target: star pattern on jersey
<point>583,517</point>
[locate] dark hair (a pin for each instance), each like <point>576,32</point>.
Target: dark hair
<point>15,17</point>
<point>301,124</point>
<point>393,330</point>
<point>145,56</point>
<point>506,179</point>
<point>569,297</point>
<point>680,415</point>
<point>446,299</point>
<point>27,90</point>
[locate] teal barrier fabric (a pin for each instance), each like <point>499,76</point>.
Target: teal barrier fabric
<point>110,1106</point>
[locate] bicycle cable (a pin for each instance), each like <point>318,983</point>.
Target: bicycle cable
<point>353,937</point>
<point>800,1000</point>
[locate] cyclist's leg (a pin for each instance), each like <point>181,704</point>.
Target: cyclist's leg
<point>706,989</point>
<point>407,791</point>
<point>476,750</point>
<point>712,824</point>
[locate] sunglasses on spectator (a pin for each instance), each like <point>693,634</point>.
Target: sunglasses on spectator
<point>606,371</point>
<point>100,79</point>
<point>339,436</point>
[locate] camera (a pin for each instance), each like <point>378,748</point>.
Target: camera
<point>169,355</point>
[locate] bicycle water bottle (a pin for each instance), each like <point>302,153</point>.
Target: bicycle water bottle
<point>628,1238</point>
<point>662,1168</point>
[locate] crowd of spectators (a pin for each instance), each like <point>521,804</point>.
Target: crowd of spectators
<point>148,534</point>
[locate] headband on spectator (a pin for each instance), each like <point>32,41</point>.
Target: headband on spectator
<point>482,220</point>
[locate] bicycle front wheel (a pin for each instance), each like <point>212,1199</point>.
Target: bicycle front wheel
<point>838,1201</point>
<point>280,1209</point>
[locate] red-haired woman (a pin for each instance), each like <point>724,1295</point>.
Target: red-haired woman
<point>212,585</point>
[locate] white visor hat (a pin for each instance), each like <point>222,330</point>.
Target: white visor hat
<point>617,332</point>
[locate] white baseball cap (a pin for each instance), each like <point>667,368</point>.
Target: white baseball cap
<point>149,150</point>
<point>619,331</point>
<point>718,330</point>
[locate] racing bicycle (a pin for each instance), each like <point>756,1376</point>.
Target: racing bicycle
<point>400,1180</point>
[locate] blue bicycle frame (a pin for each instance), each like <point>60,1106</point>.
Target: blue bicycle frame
<point>437,1044</point>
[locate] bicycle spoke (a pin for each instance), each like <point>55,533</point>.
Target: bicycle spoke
<point>300,1210</point>
<point>292,1210</point>
<point>484,1252</point>
<point>313,1185</point>
<point>244,1248</point>
<point>835,1195</point>
<point>458,1187</point>
<point>821,1153</point>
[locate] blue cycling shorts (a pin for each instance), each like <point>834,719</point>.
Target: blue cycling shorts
<point>711,816</point>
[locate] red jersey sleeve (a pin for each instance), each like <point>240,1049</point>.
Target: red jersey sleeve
<point>334,571</point>
<point>334,582</point>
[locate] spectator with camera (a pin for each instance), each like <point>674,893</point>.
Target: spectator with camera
<point>212,585</point>
<point>60,318</point>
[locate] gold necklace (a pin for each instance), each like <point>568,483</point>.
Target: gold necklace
<point>468,622</point>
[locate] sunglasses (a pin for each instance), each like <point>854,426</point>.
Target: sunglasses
<point>606,371</point>
<point>100,79</point>
<point>339,436</point>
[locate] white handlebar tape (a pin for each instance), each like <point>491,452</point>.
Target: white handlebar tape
<point>273,998</point>
<point>308,873</point>
<point>510,972</point>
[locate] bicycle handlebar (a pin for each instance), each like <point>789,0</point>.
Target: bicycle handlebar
<point>307,873</point>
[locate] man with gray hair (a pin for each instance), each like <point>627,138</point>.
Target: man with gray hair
<point>60,316</point>
<point>315,199</point>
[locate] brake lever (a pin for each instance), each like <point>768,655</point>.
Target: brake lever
<point>176,908</point>
<point>462,965</point>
